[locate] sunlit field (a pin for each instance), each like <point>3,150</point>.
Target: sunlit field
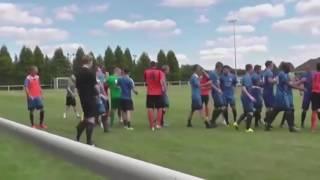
<point>221,153</point>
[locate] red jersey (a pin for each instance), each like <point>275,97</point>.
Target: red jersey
<point>205,90</point>
<point>32,83</point>
<point>153,78</point>
<point>316,82</point>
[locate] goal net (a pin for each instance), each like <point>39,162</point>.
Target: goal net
<point>61,82</point>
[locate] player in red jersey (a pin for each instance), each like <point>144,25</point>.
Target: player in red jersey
<point>315,98</point>
<point>155,82</point>
<point>205,91</point>
<point>34,96</point>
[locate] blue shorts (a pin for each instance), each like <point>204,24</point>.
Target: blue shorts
<point>196,104</point>
<point>166,101</point>
<point>259,103</point>
<point>218,100</point>
<point>306,101</point>
<point>269,100</point>
<point>229,101</point>
<point>101,107</point>
<point>283,102</point>
<point>35,103</point>
<point>247,104</point>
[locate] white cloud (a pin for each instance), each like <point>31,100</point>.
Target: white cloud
<point>203,19</point>
<point>308,7</point>
<point>302,52</point>
<point>70,48</point>
<point>241,41</point>
<point>166,26</point>
<point>188,3</point>
<point>11,14</point>
<point>33,36</point>
<point>304,24</point>
<point>253,14</point>
<point>66,13</point>
<point>239,29</point>
<point>221,49</point>
<point>99,8</point>
<point>183,59</point>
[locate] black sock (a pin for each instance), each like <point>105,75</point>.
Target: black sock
<point>215,114</point>
<point>257,116</point>
<point>234,112</point>
<point>104,119</point>
<point>80,128</point>
<point>241,118</point>
<point>303,117</point>
<point>290,119</point>
<point>129,124</point>
<point>31,116</point>
<point>41,117</point>
<point>226,115</point>
<point>89,132</point>
<point>249,119</point>
<point>283,120</point>
<point>162,118</point>
<point>207,124</point>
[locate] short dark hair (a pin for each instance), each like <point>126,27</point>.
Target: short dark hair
<point>226,67</point>
<point>285,66</point>
<point>219,64</point>
<point>86,59</point>
<point>32,68</point>
<point>194,68</point>
<point>126,71</point>
<point>268,63</point>
<point>153,64</point>
<point>318,67</point>
<point>248,67</point>
<point>257,68</point>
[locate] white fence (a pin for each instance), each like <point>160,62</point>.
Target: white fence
<point>105,163</point>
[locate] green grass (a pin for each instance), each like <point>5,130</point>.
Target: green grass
<point>221,153</point>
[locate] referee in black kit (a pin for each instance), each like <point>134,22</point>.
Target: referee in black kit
<point>86,84</point>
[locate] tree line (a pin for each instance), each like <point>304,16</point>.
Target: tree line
<point>13,71</point>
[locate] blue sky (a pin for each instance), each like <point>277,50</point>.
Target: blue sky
<point>197,30</point>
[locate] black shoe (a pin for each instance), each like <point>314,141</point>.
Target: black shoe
<point>268,128</point>
<point>294,130</point>
<point>189,125</point>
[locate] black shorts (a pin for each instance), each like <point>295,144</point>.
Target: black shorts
<point>89,107</point>
<point>205,99</point>
<point>70,101</point>
<point>155,101</point>
<point>126,105</point>
<point>315,100</point>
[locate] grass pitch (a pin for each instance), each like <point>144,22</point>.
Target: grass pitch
<point>221,153</point>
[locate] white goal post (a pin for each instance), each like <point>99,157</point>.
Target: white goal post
<point>60,82</point>
<point>105,163</point>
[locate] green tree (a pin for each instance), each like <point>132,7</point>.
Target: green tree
<point>77,60</point>
<point>120,58</point>
<point>100,61</point>
<point>38,59</point>
<point>47,76</point>
<point>5,66</point>
<point>109,59</point>
<point>60,65</point>
<point>142,65</point>
<point>161,58</point>
<point>25,61</point>
<point>128,58</point>
<point>186,72</point>
<point>174,66</point>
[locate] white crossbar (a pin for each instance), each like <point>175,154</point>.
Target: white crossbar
<point>105,163</point>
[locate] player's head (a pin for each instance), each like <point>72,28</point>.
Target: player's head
<point>226,69</point>
<point>269,64</point>
<point>318,67</point>
<point>197,69</point>
<point>33,70</point>
<point>126,71</point>
<point>249,68</point>
<point>285,67</point>
<point>117,71</point>
<point>87,61</point>
<point>165,69</point>
<point>153,64</point>
<point>219,66</point>
<point>257,69</point>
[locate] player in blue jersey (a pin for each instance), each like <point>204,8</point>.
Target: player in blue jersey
<point>196,101</point>
<point>283,99</point>
<point>268,87</point>
<point>228,82</point>
<point>307,84</point>
<point>216,93</point>
<point>126,85</point>
<point>257,94</point>
<point>247,99</point>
